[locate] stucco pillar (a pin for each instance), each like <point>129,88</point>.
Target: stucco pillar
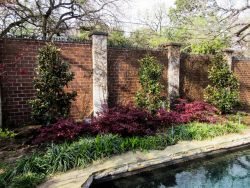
<point>174,57</point>
<point>228,54</point>
<point>100,81</point>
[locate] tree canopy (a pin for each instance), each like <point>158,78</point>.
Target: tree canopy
<point>220,18</point>
<point>197,23</point>
<point>53,17</point>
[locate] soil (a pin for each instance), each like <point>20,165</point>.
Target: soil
<point>13,149</point>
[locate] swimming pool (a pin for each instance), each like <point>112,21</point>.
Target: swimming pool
<point>231,170</point>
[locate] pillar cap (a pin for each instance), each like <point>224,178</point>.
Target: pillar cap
<point>175,44</point>
<point>98,33</point>
<point>229,50</point>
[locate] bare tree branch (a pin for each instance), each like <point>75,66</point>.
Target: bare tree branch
<point>50,17</point>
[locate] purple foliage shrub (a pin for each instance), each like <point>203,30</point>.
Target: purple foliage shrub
<point>128,120</point>
<point>63,129</point>
<point>124,120</point>
<point>185,112</point>
<point>197,111</point>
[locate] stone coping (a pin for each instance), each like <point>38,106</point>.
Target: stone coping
<point>133,162</point>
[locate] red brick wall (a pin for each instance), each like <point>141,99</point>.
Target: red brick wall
<point>193,76</point>
<point>19,57</point>
<point>242,71</point>
<point>123,66</point>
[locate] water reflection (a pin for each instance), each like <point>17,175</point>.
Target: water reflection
<point>226,171</point>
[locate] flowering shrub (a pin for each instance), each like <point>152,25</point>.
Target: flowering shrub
<point>64,129</point>
<point>124,120</point>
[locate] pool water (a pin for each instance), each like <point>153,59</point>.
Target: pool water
<point>230,170</point>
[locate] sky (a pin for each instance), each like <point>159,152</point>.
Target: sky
<point>139,6</point>
<point>136,9</point>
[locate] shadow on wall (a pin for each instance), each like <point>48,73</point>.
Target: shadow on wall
<point>80,59</point>
<point>123,67</point>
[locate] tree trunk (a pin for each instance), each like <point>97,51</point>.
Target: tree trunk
<point>1,115</point>
<point>44,28</point>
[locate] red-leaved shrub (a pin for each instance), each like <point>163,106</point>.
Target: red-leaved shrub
<point>197,111</point>
<point>63,129</point>
<point>165,118</point>
<point>124,120</point>
<point>185,112</point>
<point>128,120</point>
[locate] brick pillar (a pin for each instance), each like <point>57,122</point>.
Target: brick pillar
<point>173,69</point>
<point>228,53</point>
<point>100,81</point>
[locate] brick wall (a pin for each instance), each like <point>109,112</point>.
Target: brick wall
<point>241,69</point>
<point>193,76</point>
<point>19,58</point>
<point>123,79</point>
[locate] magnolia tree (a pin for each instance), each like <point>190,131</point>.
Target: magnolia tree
<point>223,92</point>
<point>51,101</point>
<point>150,73</point>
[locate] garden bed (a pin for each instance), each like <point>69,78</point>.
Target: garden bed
<point>134,162</point>
<point>36,167</point>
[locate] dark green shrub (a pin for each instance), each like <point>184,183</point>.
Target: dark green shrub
<point>27,180</point>
<point>224,89</point>
<point>51,101</point>
<point>149,97</point>
<point>3,182</point>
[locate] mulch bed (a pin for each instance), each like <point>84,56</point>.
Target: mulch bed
<point>13,149</point>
